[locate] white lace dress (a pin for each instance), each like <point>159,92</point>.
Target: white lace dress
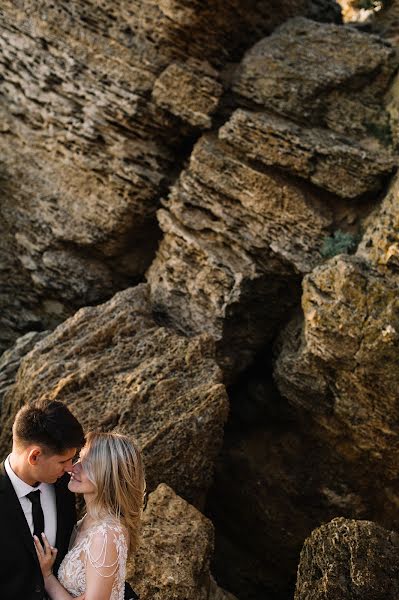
<point>105,546</point>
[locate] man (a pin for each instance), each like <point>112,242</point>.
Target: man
<point>34,496</point>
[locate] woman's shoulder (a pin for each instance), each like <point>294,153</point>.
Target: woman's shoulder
<point>106,525</point>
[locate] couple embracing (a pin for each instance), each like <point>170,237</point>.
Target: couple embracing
<point>44,553</point>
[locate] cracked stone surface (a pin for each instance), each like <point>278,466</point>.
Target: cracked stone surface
<point>341,367</point>
<point>229,250</point>
<point>331,161</point>
<point>255,203</point>
<point>349,560</point>
<point>303,81</point>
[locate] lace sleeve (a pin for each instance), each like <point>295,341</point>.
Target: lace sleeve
<point>105,562</point>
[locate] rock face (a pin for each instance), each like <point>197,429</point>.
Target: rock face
<point>349,345</point>
<point>173,560</point>
<point>227,250</point>
<point>116,368</point>
<point>92,136</point>
<point>240,225</point>
<point>11,359</point>
<point>380,243</point>
<point>340,371</point>
<point>325,158</point>
<point>297,160</point>
<point>258,149</point>
<point>338,366</point>
<point>350,73</point>
<point>349,560</point>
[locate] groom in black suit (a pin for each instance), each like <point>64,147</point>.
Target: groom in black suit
<point>34,496</point>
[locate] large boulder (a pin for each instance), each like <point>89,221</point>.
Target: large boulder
<point>116,368</point>
<point>230,259</point>
<point>173,560</point>
<point>321,74</point>
<point>342,366</point>
<point>349,560</point>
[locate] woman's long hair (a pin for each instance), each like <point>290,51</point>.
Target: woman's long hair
<point>114,465</point>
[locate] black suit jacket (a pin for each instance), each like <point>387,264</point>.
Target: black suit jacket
<point>20,575</point>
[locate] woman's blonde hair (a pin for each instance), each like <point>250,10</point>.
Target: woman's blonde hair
<point>114,465</point>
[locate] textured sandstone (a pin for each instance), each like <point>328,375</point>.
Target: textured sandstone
<point>91,139</point>
<point>239,221</point>
<point>320,74</point>
<point>343,367</point>
<point>174,556</point>
<point>349,560</point>
<point>236,238</point>
<point>190,91</point>
<point>116,368</point>
<point>331,161</point>
<point>380,243</point>
<point>11,359</point>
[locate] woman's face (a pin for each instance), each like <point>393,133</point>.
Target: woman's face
<point>79,482</point>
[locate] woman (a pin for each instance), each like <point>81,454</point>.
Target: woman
<point>110,475</point>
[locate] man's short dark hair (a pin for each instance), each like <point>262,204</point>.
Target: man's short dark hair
<point>50,424</point>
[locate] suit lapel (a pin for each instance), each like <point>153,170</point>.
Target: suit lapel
<point>12,510</point>
<point>60,536</point>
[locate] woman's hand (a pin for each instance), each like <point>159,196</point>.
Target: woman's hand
<point>46,555</point>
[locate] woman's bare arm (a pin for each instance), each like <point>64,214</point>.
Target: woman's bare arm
<point>102,565</point>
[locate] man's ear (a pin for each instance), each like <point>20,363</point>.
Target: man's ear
<point>33,455</point>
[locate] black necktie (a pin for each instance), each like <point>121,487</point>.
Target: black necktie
<point>37,514</point>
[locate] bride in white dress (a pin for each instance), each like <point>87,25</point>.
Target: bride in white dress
<point>110,475</point>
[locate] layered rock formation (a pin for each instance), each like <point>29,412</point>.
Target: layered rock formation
<point>240,226</point>
<point>173,560</point>
<point>116,368</point>
<point>347,559</point>
<point>92,136</point>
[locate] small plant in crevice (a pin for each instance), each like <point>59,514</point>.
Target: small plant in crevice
<point>340,242</point>
<point>381,131</point>
<point>374,5</point>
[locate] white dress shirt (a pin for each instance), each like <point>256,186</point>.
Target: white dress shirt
<point>47,499</point>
